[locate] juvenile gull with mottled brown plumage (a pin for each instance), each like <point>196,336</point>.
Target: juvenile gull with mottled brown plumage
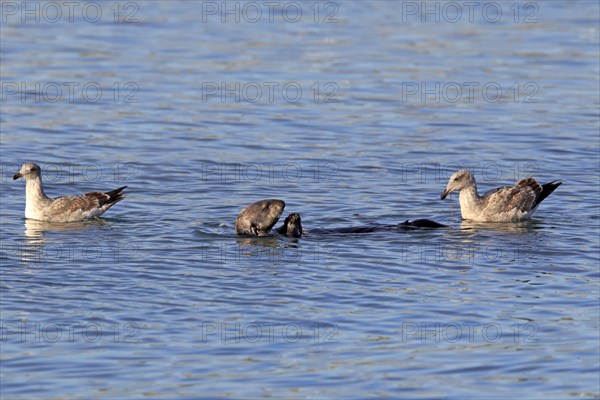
<point>503,204</point>
<point>62,209</point>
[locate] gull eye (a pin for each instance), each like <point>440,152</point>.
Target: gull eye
<point>456,179</point>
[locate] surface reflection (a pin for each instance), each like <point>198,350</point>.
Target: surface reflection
<point>521,227</point>
<point>34,247</point>
<point>36,229</point>
<point>260,241</point>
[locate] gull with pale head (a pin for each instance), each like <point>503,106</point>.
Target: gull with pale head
<point>503,204</point>
<point>40,207</point>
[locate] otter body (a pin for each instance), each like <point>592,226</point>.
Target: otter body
<point>404,226</point>
<point>259,218</point>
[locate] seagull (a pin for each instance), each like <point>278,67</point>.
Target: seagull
<point>503,204</point>
<point>40,207</point>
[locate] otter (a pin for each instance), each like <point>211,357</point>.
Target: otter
<point>293,227</point>
<point>259,218</point>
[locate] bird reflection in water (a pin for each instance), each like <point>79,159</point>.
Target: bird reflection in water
<point>35,246</point>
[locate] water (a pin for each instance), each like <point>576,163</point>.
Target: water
<point>161,299</point>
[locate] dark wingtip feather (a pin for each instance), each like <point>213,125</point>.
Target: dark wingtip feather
<point>115,192</point>
<point>115,195</point>
<point>547,189</point>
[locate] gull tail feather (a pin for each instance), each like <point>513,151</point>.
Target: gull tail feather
<point>547,189</point>
<point>115,196</point>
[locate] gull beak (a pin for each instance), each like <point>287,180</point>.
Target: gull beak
<point>445,193</point>
<point>17,176</point>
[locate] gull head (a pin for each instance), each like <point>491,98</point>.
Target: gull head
<point>458,181</point>
<point>28,170</point>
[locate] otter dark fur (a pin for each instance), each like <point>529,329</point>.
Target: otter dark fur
<point>292,226</point>
<point>259,218</point>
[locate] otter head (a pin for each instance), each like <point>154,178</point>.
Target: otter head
<point>258,218</point>
<point>292,226</point>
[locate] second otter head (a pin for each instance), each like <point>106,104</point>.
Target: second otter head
<point>292,226</point>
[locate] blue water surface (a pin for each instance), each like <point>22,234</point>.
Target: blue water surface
<point>353,113</point>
